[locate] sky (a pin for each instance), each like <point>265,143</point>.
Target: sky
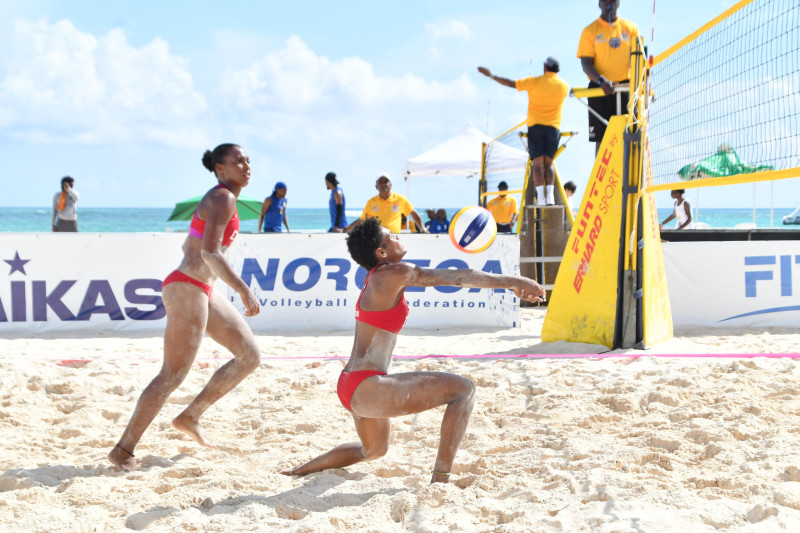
<point>126,96</point>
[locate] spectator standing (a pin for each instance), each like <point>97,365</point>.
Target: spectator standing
<point>569,190</point>
<point>546,95</point>
<point>273,211</point>
<point>682,210</point>
<point>431,217</point>
<point>440,224</point>
<point>605,54</point>
<point>65,216</point>
<point>503,209</point>
<point>388,207</point>
<point>336,204</point>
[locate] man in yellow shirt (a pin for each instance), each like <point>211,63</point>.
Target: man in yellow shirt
<point>546,95</point>
<point>503,209</point>
<point>605,53</point>
<point>388,208</point>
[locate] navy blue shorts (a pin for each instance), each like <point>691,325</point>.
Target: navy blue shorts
<point>606,107</point>
<point>542,141</point>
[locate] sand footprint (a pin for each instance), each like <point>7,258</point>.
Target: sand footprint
<point>290,513</point>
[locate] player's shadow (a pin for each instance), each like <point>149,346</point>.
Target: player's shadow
<point>47,476</point>
<point>55,475</point>
<point>293,504</point>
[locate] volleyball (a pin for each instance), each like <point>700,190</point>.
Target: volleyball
<point>473,229</point>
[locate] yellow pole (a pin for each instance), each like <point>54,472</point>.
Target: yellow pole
<point>524,191</point>
<point>482,184</point>
<point>636,114</point>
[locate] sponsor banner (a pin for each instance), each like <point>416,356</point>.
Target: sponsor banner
<point>753,284</point>
<point>94,282</point>
<point>656,313</point>
<point>583,304</point>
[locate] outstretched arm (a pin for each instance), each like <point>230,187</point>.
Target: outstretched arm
<point>414,276</point>
<point>502,81</point>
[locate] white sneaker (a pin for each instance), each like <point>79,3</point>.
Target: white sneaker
<point>539,201</point>
<point>551,200</point>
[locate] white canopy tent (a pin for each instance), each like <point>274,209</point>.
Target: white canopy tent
<point>461,156</point>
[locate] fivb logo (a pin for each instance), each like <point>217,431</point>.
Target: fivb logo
<point>784,269</point>
<point>760,272</point>
<point>98,299</point>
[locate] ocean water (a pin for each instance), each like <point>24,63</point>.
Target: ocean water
<point>154,219</point>
<point>145,219</point>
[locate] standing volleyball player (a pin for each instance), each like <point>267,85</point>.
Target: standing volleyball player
<point>194,308</point>
<point>365,387</point>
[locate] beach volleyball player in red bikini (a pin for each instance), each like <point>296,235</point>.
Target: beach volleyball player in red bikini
<point>365,387</point>
<point>194,309</point>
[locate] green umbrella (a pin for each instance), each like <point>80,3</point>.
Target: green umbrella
<point>249,208</point>
<point>725,162</point>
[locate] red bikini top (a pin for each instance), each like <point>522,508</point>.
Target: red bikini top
<point>391,320</point>
<point>198,226</point>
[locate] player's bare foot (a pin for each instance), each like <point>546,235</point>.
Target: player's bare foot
<point>122,458</point>
<point>184,425</point>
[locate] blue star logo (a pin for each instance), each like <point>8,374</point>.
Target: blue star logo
<point>17,264</point>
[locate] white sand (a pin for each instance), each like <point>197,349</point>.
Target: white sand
<point>620,444</point>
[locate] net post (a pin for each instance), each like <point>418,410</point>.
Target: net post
<point>482,182</point>
<point>629,306</point>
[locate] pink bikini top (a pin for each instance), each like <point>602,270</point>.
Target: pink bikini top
<point>391,320</point>
<point>198,226</point>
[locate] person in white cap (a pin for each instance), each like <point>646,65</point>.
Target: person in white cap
<point>388,207</point>
<point>546,95</point>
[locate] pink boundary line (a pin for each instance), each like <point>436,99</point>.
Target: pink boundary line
<point>489,356</point>
<point>565,356</point>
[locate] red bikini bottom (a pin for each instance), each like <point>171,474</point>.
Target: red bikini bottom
<point>178,276</point>
<point>349,382</point>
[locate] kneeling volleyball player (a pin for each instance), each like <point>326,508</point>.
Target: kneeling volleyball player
<point>365,387</point>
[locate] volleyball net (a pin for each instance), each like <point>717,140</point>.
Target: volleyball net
<point>505,159</point>
<point>725,103</point>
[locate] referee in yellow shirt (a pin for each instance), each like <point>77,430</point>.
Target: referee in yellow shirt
<point>605,53</point>
<point>388,207</point>
<point>546,95</point>
<point>503,209</point>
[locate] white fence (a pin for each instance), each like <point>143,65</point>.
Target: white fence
<point>103,282</point>
<point>93,282</point>
<point>732,285</point>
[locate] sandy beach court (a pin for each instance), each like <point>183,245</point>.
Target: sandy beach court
<point>629,443</point>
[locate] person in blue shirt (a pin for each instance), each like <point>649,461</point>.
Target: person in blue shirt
<point>273,211</point>
<point>440,224</point>
<point>431,217</point>
<point>335,204</point>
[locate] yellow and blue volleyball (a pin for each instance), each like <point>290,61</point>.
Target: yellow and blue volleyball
<point>473,229</point>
